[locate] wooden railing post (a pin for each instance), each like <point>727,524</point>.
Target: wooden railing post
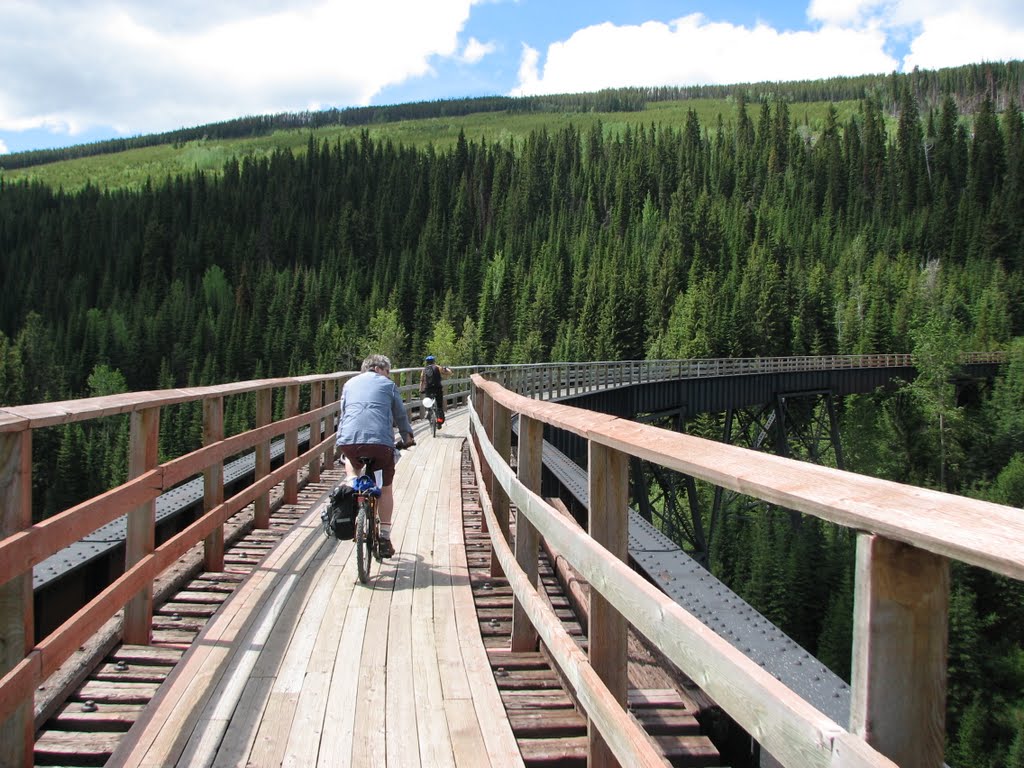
<point>141,535</point>
<point>332,452</point>
<point>901,614</point>
<point>291,443</point>
<point>531,438</point>
<point>316,399</point>
<point>501,438</point>
<point>264,415</point>
<point>609,501</point>
<point>16,617</point>
<point>483,411</point>
<point>213,483</point>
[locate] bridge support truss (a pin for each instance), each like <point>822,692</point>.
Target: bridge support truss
<point>800,425</point>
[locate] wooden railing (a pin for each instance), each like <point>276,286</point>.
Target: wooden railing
<point>906,536</point>
<point>24,664</point>
<point>23,545</point>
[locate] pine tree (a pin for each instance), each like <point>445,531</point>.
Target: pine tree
<point>968,745</point>
<point>1015,757</point>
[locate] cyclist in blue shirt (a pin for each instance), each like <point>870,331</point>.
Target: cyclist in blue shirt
<point>371,409</point>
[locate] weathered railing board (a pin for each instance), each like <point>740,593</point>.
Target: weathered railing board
<point>608,650</point>
<point>213,482</point>
<point>22,550</point>
<point>901,616</point>
<point>625,737</point>
<point>31,546</point>
<point>57,647</point>
<point>787,726</point>
<point>970,530</point>
<point>16,617</point>
<point>531,441</point>
<point>141,535</point>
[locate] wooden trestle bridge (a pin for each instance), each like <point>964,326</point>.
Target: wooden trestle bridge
<point>466,649</point>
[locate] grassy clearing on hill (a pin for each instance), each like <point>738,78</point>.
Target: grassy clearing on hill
<point>133,168</point>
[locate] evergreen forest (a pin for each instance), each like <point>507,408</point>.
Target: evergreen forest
<point>894,226</point>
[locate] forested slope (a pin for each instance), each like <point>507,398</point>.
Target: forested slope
<point>752,234</point>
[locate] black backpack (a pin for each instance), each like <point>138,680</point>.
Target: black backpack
<point>339,516</point>
<point>433,374</point>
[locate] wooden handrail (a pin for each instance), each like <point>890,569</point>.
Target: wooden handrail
<point>30,547</point>
<point>898,526</point>
<point>789,728</point>
<point>15,418</point>
<point>56,648</point>
<point>23,547</point>
<point>931,520</point>
<point>629,742</point>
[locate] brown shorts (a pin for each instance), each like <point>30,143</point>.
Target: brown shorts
<point>383,458</point>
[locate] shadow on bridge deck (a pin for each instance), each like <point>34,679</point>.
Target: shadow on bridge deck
<point>304,666</point>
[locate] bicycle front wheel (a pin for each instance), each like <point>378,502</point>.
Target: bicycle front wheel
<point>364,519</point>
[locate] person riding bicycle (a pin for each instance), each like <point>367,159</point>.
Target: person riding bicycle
<point>371,408</point>
<point>431,386</point>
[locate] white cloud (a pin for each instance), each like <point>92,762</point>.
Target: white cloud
<point>475,51</point>
<point>844,12</point>
<point>144,67</point>
<point>964,36</point>
<point>3,148</point>
<point>529,75</point>
<point>939,33</point>
<point>693,50</point>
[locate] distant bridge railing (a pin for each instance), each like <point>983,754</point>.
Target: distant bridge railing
<point>24,664</point>
<point>555,380</point>
<point>906,537</point>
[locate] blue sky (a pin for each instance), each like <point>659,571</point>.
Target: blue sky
<point>74,71</point>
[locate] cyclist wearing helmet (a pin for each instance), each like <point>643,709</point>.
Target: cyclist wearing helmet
<point>430,384</point>
<point>371,408</point>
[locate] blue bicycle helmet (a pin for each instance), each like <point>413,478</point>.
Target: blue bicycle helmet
<point>430,358</point>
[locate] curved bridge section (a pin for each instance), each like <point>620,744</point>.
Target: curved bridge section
<point>906,537</point>
<point>902,590</point>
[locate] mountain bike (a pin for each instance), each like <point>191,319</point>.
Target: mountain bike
<point>367,525</point>
<point>432,414</point>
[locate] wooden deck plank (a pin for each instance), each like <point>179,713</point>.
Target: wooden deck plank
<point>502,748</point>
<point>273,735</point>
<point>467,739</point>
<point>172,715</point>
<point>304,666</point>
<point>249,661</point>
<point>312,716</point>
<point>434,737</point>
<point>368,743</point>
<point>245,721</point>
<point>336,742</point>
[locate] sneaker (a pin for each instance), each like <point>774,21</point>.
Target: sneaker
<point>385,548</point>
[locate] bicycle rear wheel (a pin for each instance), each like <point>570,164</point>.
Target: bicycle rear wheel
<point>433,421</point>
<point>364,519</point>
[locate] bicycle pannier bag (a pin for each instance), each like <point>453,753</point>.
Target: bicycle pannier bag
<point>342,511</point>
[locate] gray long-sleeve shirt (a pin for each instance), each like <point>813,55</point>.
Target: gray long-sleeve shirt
<point>370,409</point>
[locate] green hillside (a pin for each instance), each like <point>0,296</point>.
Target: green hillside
<point>129,163</point>
<point>860,215</point>
<point>132,168</point>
